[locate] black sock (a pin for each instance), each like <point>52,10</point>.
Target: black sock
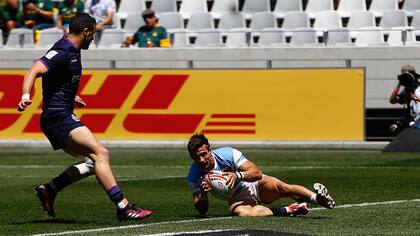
<point>62,181</point>
<point>279,211</point>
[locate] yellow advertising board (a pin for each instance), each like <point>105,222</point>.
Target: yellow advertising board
<point>289,105</point>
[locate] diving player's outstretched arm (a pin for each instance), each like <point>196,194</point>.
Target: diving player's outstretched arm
<point>37,69</point>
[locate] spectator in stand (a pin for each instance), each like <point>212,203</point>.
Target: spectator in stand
<point>149,35</point>
<point>67,10</point>
<point>10,15</point>
<point>102,11</point>
<point>38,14</point>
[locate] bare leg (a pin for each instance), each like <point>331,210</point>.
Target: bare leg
<point>271,189</point>
<point>81,142</point>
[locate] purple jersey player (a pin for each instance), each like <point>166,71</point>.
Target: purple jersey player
<point>61,70</point>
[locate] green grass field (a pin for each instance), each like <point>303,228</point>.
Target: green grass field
<point>389,184</point>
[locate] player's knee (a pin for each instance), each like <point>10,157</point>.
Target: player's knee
<point>283,187</point>
<point>242,212</point>
<point>102,154</point>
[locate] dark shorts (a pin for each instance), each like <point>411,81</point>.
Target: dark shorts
<point>57,127</point>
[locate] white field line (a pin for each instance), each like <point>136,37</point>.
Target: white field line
<point>209,219</point>
<point>191,232</point>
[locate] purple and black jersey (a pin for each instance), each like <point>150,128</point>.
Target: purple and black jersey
<point>61,82</point>
<point>59,88</point>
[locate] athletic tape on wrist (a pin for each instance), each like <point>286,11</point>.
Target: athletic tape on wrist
<point>26,96</point>
<point>239,175</point>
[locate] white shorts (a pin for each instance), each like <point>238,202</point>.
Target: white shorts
<point>246,191</point>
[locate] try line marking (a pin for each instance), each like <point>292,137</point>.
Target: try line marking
<point>209,219</point>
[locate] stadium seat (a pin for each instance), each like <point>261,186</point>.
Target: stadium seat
<point>304,37</point>
<point>293,20</point>
<point>232,20</point>
<point>48,37</point>
<point>326,20</point>
<point>261,20</point>
<point>209,38</point>
<point>370,36</point>
<point>393,18</point>
<point>161,6</point>
<point>111,38</point>
<point>282,7</point>
<point>410,6</point>
<point>189,7</point>
<point>116,21</point>
<point>377,7</point>
<point>221,7</point>
<point>347,7</point>
<point>19,38</point>
<point>314,6</point>
<point>272,37</point>
<point>338,37</point>
<point>400,36</point>
<point>253,6</point>
<point>237,38</point>
<point>133,22</point>
<point>180,38</point>
<point>130,6</point>
<point>171,21</point>
<point>359,19</point>
<point>200,20</point>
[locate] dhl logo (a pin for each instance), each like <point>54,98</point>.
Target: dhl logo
<point>123,103</point>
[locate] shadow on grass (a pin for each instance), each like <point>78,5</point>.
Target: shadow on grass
<point>57,221</point>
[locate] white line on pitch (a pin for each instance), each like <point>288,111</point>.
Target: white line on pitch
<point>209,219</point>
<point>191,232</point>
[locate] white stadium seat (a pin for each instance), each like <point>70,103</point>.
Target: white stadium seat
<point>304,37</point>
<point>339,37</point>
<point>200,20</point>
<point>347,7</point>
<point>326,20</point>
<point>282,7</point>
<point>410,6</point>
<point>161,6</point>
<point>261,20</point>
<point>393,18</point>
<point>377,7</point>
<point>359,19</point>
<point>130,6</point>
<point>272,37</point>
<point>209,38</point>
<point>237,38</point>
<point>171,21</point>
<point>19,38</point>
<point>295,19</point>
<point>133,22</point>
<point>189,7</point>
<point>48,37</point>
<point>314,6</point>
<point>221,7</point>
<point>370,36</point>
<point>232,20</point>
<point>111,38</point>
<point>253,6</point>
<point>180,38</point>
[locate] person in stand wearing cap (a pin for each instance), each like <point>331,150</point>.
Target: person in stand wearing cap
<point>407,92</point>
<point>151,34</point>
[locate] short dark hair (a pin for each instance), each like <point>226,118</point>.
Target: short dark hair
<point>81,21</point>
<point>197,141</point>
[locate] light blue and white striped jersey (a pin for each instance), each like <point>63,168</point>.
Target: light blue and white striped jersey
<point>226,159</point>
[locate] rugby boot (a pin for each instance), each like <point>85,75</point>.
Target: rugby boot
<point>297,209</point>
<point>47,197</point>
<point>323,198</point>
<point>132,212</point>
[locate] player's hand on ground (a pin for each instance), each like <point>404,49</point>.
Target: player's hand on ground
<point>23,104</point>
<point>231,178</point>
<point>79,102</point>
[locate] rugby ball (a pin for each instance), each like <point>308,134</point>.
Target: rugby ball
<point>219,189</point>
